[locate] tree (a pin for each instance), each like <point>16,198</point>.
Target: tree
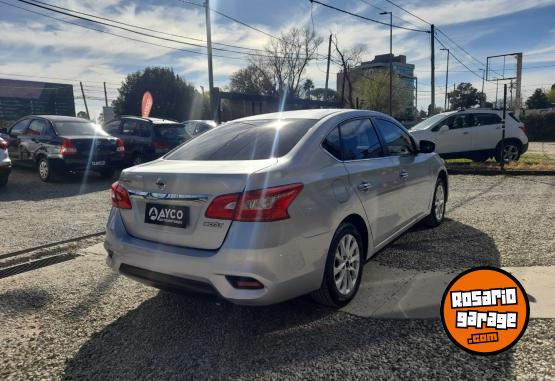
<point>465,96</point>
<point>551,95</point>
<point>308,85</point>
<point>320,94</point>
<point>538,100</point>
<point>287,57</point>
<point>348,59</point>
<point>374,92</point>
<point>173,96</point>
<point>253,80</point>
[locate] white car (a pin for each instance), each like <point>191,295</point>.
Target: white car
<point>474,134</point>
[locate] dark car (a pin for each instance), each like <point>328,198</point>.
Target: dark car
<point>57,144</point>
<point>5,163</point>
<point>146,139</point>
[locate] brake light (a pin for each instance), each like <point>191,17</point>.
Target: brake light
<point>68,148</point>
<point>524,129</point>
<point>3,144</point>
<point>120,147</point>
<point>120,197</point>
<point>269,204</point>
<point>161,147</point>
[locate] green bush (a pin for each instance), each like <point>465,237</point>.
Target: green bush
<point>541,127</point>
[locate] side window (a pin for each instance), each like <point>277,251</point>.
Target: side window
<point>463,121</point>
<point>190,128</point>
<point>332,143</point>
<point>396,140</point>
<point>19,128</point>
<point>487,119</point>
<point>36,128</point>
<point>130,127</point>
<point>112,127</point>
<point>360,140</point>
<point>144,130</point>
<point>445,122</point>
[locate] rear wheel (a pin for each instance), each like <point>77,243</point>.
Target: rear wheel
<point>45,170</point>
<point>437,213</point>
<point>510,152</point>
<point>343,271</point>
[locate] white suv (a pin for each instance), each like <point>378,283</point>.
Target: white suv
<point>474,134</point>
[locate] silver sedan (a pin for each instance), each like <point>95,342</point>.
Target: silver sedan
<point>271,207</point>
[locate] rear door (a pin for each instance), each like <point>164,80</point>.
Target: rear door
<point>487,132</point>
<point>412,174</point>
<point>372,176</point>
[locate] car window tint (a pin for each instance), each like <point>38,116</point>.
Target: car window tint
<point>190,128</point>
<point>144,130</point>
<point>245,140</point>
<point>360,140</point>
<point>112,127</point>
<point>396,140</point>
<point>129,127</point>
<point>36,127</point>
<point>462,121</point>
<point>332,143</point>
<point>486,119</point>
<point>19,127</point>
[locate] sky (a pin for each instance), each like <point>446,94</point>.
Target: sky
<point>35,46</point>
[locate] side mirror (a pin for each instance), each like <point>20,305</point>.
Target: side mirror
<point>426,146</point>
<point>443,129</point>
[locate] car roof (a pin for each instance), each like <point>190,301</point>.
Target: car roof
<point>207,121</point>
<point>317,113</point>
<point>60,118</point>
<point>153,120</point>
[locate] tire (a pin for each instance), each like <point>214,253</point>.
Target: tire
<point>331,293</point>
<point>45,170</point>
<point>437,212</point>
<point>511,152</point>
<point>107,173</point>
<point>3,180</point>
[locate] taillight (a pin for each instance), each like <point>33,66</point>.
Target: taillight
<point>120,147</point>
<point>270,204</point>
<point>524,129</point>
<point>68,148</point>
<point>161,147</point>
<point>120,197</point>
<point>3,144</point>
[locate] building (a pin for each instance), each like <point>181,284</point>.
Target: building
<point>21,98</point>
<point>380,64</point>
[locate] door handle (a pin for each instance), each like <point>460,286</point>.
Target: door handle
<point>404,174</point>
<point>364,186</point>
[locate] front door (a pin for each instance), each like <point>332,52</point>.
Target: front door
<point>458,138</point>
<point>15,133</point>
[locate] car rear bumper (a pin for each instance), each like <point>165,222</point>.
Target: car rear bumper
<point>84,164</point>
<point>286,270</point>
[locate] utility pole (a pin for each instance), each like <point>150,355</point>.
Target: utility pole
<point>328,69</point>
<point>483,78</point>
<point>209,48</point>
<point>390,60</point>
<point>446,79</point>
<point>85,101</point>
<point>105,94</point>
<point>433,69</point>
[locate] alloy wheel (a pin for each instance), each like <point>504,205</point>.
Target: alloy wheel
<point>43,169</point>
<point>510,153</point>
<point>346,264</point>
<point>439,202</point>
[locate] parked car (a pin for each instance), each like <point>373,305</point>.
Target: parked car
<point>474,134</point>
<point>270,207</point>
<point>146,139</point>
<point>197,127</point>
<point>5,163</point>
<point>56,144</point>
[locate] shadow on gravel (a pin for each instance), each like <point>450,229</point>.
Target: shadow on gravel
<point>190,337</point>
<point>24,185</point>
<point>452,245</point>
<point>23,300</point>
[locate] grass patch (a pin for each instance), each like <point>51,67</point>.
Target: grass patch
<point>528,162</point>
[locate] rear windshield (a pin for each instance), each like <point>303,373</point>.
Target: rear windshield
<point>170,131</point>
<point>246,140</point>
<point>78,128</point>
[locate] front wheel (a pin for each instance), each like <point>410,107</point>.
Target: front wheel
<point>437,213</point>
<point>343,271</point>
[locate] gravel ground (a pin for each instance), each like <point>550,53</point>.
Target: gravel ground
<point>36,213</point>
<point>102,326</point>
<point>492,220</point>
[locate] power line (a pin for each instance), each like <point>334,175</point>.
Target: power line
<point>407,11</point>
<point>455,57</point>
<point>367,18</point>
<point>118,35</point>
<point>383,10</point>
<point>57,78</point>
